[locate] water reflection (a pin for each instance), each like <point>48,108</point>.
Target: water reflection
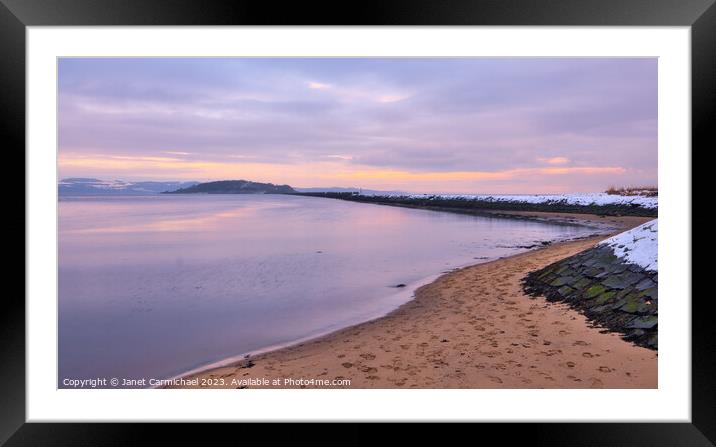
<point>153,286</point>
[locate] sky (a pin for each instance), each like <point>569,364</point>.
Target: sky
<point>467,125</point>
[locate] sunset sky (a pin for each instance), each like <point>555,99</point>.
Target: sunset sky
<point>419,125</point>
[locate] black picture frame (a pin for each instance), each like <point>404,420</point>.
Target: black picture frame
<point>16,15</point>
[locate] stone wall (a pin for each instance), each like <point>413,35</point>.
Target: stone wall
<point>476,206</point>
<point>618,296</point>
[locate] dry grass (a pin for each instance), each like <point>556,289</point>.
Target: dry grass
<point>648,191</point>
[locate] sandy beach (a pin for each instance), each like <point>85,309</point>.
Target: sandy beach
<point>471,328</point>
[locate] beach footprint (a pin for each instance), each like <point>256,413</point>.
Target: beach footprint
<point>495,379</point>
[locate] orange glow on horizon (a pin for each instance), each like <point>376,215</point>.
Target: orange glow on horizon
<point>335,172</point>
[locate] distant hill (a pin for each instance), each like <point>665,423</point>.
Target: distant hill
<point>234,187</point>
<point>95,187</point>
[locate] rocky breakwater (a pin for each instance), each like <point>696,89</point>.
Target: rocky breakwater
<point>615,284</point>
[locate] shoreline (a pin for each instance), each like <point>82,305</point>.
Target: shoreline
<point>263,362</point>
<point>485,204</point>
<point>602,221</point>
<point>237,359</point>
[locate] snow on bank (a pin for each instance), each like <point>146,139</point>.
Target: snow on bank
<point>568,199</point>
<point>638,245</point>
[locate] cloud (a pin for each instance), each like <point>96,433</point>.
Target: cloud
<point>478,175</point>
<point>177,153</point>
<point>392,98</point>
<point>391,115</point>
<point>554,160</point>
<point>319,86</point>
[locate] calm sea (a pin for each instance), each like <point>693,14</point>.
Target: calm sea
<point>153,286</point>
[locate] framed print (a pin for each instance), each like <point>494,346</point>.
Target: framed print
<point>436,213</point>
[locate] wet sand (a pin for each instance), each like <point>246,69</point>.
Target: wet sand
<point>471,328</point>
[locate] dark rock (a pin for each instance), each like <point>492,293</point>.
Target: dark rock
<point>644,284</point>
<point>631,305</point>
<point>561,280</point>
<point>562,269</point>
<point>647,322</point>
<point>624,292</point>
<point>652,293</point>
<point>605,297</point>
<point>596,289</point>
<point>621,281</point>
<point>615,268</point>
<point>580,283</point>
<point>635,334</point>
<point>617,296</point>
<point>590,263</point>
